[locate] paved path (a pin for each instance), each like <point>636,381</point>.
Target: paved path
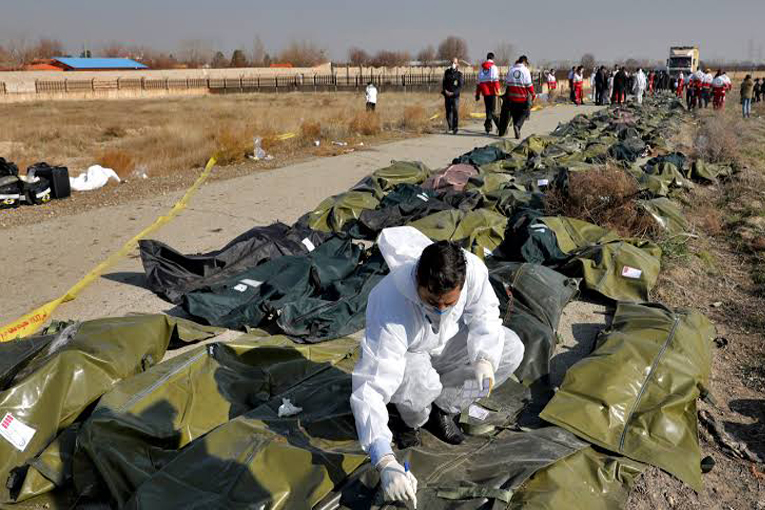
<point>51,256</point>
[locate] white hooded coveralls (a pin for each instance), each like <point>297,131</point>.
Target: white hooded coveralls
<point>404,361</point>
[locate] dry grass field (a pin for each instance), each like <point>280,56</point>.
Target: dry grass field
<point>166,136</point>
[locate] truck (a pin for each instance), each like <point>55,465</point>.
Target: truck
<point>683,59</point>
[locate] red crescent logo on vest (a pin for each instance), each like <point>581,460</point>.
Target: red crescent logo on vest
<point>517,74</point>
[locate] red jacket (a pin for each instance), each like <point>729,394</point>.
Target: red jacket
<point>519,84</point>
<point>488,80</point>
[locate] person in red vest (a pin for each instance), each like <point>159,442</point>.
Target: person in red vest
<point>488,87</point>
<point>552,82</point>
<point>651,78</point>
<point>518,98</point>
<point>680,85</point>
<point>578,81</point>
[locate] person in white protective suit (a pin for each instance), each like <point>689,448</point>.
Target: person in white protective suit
<point>641,82</point>
<point>434,343</point>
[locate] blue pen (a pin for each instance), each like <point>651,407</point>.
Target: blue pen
<point>406,469</point>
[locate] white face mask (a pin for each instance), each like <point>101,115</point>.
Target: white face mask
<point>435,316</point>
<point>454,66</point>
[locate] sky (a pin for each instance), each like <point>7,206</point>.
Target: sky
<point>544,30</point>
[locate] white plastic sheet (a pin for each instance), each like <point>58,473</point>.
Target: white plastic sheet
<point>96,177</point>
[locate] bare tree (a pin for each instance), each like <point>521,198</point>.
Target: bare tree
<point>427,55</point>
<point>452,47</point>
<point>195,53</point>
<point>258,54</point>
<point>48,48</point>
<point>113,49</point>
<point>387,58</point>
<point>587,61</point>
<point>19,50</point>
<point>504,53</point>
<point>303,54</point>
<point>358,57</point>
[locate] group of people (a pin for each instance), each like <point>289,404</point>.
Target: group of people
<point>610,86</point>
<point>702,87</point>
<point>517,99</point>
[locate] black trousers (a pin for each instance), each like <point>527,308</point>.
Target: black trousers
<point>452,105</point>
<point>600,93</point>
<point>519,112</point>
<point>490,102</point>
<point>371,107</point>
<point>706,97</point>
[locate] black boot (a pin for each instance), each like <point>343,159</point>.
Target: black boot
<point>517,132</point>
<point>403,435</point>
<point>444,427</point>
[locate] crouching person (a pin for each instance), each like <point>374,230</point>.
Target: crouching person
<point>434,343</point>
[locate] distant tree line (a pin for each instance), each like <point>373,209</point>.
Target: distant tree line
<point>200,53</point>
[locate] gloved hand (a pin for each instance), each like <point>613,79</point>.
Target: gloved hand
<point>397,483</point>
<point>484,372</point>
<point>477,97</point>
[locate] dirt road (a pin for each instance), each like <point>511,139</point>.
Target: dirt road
<point>48,257</point>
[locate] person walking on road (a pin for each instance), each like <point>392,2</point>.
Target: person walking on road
<point>552,85</point>
<point>620,87</point>
<point>519,97</point>
<point>601,84</point>
<point>747,92</point>
<point>488,87</point>
<point>451,88</point>
<point>578,81</point>
<point>640,86</point>
<point>571,94</point>
<point>371,95</point>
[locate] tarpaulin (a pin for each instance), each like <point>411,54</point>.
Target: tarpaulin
<point>532,298</point>
<point>147,421</point>
<point>586,480</point>
<point>479,231</point>
<point>666,213</point>
<point>252,296</point>
<point>481,156</point>
<point>636,394</point>
<point>172,274</point>
<point>619,270</point>
<point>63,380</point>
<point>334,213</point>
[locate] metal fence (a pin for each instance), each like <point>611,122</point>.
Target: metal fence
<point>338,81</point>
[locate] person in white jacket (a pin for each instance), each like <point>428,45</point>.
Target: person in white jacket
<point>371,96</point>
<point>434,343</point>
<point>641,83</point>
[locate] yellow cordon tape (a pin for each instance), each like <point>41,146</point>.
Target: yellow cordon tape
<point>35,319</point>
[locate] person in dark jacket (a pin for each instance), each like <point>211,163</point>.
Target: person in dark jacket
<point>451,88</point>
<point>601,85</point>
<point>620,87</point>
<point>757,90</point>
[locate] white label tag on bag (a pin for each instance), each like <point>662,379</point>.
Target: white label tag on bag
<point>240,287</point>
<point>308,244</point>
<point>478,412</point>
<point>486,252</point>
<point>631,272</point>
<point>423,197</point>
<point>15,432</point>
<point>543,182</point>
<point>252,283</point>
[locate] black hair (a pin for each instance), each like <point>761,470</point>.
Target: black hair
<point>523,59</point>
<point>490,56</point>
<point>442,267</point>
